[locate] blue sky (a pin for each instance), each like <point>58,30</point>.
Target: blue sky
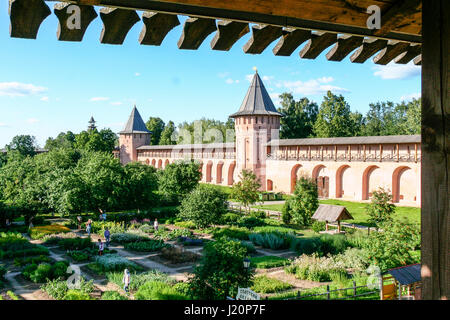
<point>48,86</point>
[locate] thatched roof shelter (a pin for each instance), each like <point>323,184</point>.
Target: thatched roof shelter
<point>331,213</point>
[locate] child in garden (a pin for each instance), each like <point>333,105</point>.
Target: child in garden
<point>155,224</point>
<point>101,246</point>
<point>126,280</point>
<point>107,235</point>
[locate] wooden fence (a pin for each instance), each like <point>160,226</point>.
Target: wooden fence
<point>354,290</point>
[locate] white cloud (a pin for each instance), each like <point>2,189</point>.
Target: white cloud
<point>137,74</point>
<point>3,125</point>
<point>95,99</point>
<point>312,86</point>
<point>267,78</point>
<point>116,103</point>
<point>397,71</point>
<point>32,120</point>
<point>223,74</point>
<point>249,77</point>
<point>17,89</point>
<point>411,96</point>
<point>231,81</point>
<point>275,96</point>
<point>45,99</point>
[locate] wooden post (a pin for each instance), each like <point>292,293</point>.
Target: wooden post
<point>435,145</point>
<point>381,152</point>
<point>415,152</point>
<point>328,292</point>
<point>298,294</point>
<point>354,288</point>
<point>339,226</point>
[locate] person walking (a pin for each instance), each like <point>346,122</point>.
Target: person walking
<point>156,224</point>
<point>126,280</point>
<point>101,247</point>
<point>88,227</point>
<point>79,220</point>
<point>107,235</point>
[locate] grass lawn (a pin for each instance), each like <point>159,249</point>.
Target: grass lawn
<point>357,210</point>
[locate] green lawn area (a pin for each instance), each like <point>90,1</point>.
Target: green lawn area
<point>357,210</point>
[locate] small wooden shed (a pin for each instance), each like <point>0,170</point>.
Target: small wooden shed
<point>402,283</point>
<point>331,213</point>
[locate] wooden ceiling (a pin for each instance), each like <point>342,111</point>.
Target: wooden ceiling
<point>338,26</point>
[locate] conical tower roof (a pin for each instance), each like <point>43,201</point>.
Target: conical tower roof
<point>135,123</point>
<point>257,101</point>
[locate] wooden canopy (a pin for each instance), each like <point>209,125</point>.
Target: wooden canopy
<point>317,25</point>
<point>331,213</point>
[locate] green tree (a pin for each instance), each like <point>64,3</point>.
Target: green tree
<point>380,120</point>
<point>93,140</point>
<point>299,117</point>
<point>204,131</point>
<point>381,208</point>
<point>178,179</point>
<point>141,185</point>
<point>412,123</point>
<point>392,247</point>
<point>25,144</point>
<point>221,271</point>
<point>63,140</point>
<point>246,190</point>
<point>156,126</point>
<point>335,118</point>
<point>205,206</point>
<point>304,202</point>
<point>167,133</point>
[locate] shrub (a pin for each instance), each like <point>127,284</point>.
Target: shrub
<point>57,289</point>
<point>40,232</point>
<point>221,267</point>
<point>248,246</point>
<point>98,227</point>
<point>12,295</point>
<point>333,244</point>
<point>303,203</point>
<point>75,243</point>
<point>138,279</point>
<point>264,284</point>
<point>56,237</point>
<point>113,295</point>
<point>128,237</point>
<point>267,262</point>
<point>277,229</point>
<point>258,214</point>
<point>250,222</point>
<point>15,245</point>
<point>78,255</point>
<point>113,262</point>
<point>316,268</point>
<point>353,258</point>
<point>157,290</point>
<point>74,294</point>
<point>19,262</point>
<point>307,245</point>
<point>230,218</point>
<point>204,206</point>
<point>318,226</point>
<point>185,224</point>
<point>232,232</point>
<point>2,271</point>
<point>45,271</point>
<point>146,228</point>
<point>146,246</point>
<point>381,207</point>
<point>272,240</point>
<point>178,255</point>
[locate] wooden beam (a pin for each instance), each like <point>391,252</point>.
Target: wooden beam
<point>369,48</point>
<point>400,13</point>
<point>317,44</point>
<point>435,172</point>
<point>26,17</point>
<point>290,40</point>
<point>64,33</point>
<point>116,24</point>
<point>418,60</point>
<point>337,16</point>
<point>262,36</point>
<point>413,51</point>
<point>345,44</point>
<point>195,31</point>
<point>228,32</point>
<point>392,50</point>
<point>156,27</point>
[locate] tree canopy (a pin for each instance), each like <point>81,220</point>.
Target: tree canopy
<point>299,117</point>
<point>156,126</point>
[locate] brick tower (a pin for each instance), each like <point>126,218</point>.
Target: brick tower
<point>256,123</point>
<point>134,135</point>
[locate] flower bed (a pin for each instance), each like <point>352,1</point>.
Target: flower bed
<point>112,262</point>
<point>15,245</point>
<point>39,273</point>
<point>267,262</point>
<point>40,232</point>
<point>264,284</point>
